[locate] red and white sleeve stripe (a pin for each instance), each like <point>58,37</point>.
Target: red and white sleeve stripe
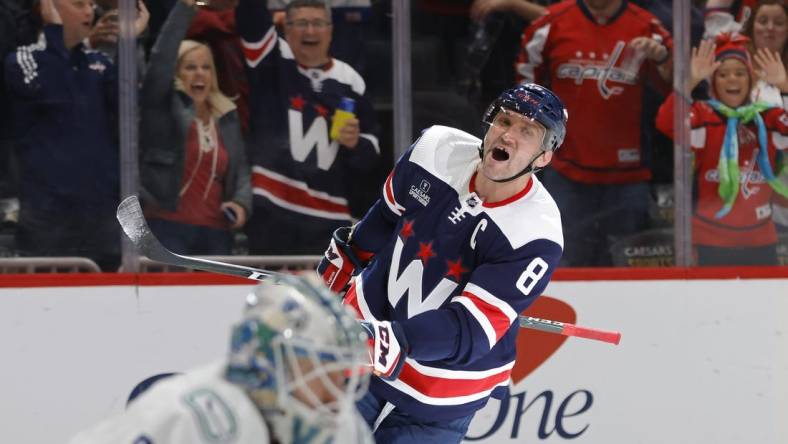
<point>494,315</point>
<point>444,387</point>
<point>255,52</point>
<point>388,196</point>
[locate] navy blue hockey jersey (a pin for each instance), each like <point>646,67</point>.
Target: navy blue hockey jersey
<point>300,177</point>
<point>455,271</point>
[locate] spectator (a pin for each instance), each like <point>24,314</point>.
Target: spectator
<point>106,31</point>
<point>348,36</point>
<point>64,100</point>
<point>734,154</point>
<point>18,26</point>
<point>726,16</point>
<point>767,30</point>
<point>216,28</point>
<point>592,53</point>
<point>301,176</point>
<point>193,168</point>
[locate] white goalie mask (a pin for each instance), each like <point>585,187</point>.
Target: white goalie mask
<point>299,353</point>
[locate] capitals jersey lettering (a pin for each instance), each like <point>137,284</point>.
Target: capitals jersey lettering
<point>600,80</point>
<point>455,271</point>
<point>749,224</point>
<point>298,171</point>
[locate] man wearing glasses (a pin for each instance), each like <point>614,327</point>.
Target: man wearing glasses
<point>301,174</point>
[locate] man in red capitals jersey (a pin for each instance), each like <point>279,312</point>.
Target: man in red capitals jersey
<point>597,55</point>
<point>735,144</point>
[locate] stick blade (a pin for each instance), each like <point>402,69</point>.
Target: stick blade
<point>132,220</point>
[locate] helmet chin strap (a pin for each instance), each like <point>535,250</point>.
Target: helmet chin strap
<point>528,168</point>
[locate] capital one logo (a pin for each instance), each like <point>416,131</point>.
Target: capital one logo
<point>536,414</point>
<point>316,136</point>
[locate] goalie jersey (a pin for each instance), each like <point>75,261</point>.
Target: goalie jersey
<point>202,407</point>
<point>455,271</point>
<point>300,177</point>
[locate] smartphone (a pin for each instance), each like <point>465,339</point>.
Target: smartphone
<point>112,16</point>
<point>230,214</point>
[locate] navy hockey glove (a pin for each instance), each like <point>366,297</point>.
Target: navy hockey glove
<point>388,347</point>
<point>341,261</point>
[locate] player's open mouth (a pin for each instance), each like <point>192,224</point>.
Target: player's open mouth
<point>310,42</point>
<point>733,91</point>
<point>499,154</point>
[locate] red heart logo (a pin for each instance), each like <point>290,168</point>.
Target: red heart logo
<point>533,346</point>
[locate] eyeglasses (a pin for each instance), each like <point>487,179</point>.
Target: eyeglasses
<point>302,24</point>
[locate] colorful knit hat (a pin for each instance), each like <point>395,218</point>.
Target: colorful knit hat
<point>733,46</point>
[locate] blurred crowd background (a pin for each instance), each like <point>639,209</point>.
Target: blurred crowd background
<point>262,127</point>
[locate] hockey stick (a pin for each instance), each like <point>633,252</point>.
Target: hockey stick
<point>565,329</point>
<point>136,228</point>
<point>132,220</point>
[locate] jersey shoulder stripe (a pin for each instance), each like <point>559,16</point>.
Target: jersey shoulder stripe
<point>345,74</point>
<point>448,154</point>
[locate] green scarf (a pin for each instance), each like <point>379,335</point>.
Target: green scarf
<point>728,165</point>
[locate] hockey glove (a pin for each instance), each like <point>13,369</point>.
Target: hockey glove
<point>388,347</point>
<point>341,261</point>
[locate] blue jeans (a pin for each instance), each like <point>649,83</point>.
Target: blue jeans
<point>400,428</point>
<point>192,239</point>
<point>595,215</point>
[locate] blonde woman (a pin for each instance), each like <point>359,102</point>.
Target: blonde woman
<point>194,173</point>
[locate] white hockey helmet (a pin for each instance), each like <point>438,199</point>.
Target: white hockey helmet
<point>299,352</point>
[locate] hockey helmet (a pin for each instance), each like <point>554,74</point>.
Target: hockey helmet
<point>299,352</point>
<point>535,102</point>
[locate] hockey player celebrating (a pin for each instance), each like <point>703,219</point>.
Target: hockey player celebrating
<point>463,239</point>
<point>298,362</point>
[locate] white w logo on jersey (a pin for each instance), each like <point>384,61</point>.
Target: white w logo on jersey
<point>410,281</point>
<point>301,144</point>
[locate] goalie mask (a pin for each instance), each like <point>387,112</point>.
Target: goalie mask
<point>536,103</point>
<point>299,353</point>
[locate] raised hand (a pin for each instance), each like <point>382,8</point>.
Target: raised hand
<point>772,69</point>
<point>105,31</point>
<point>49,13</point>
<point>702,63</point>
<point>143,16</point>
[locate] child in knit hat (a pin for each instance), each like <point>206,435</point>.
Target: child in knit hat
<point>734,143</point>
